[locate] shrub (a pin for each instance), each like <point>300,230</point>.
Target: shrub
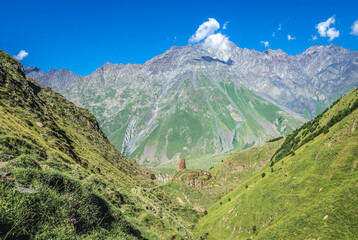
<point>254,229</point>
<point>263,175</point>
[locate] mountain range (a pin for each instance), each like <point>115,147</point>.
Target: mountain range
<point>191,101</point>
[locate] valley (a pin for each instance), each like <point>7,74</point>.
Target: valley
<point>266,173</point>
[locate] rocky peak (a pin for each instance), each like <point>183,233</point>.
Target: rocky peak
<point>55,79</point>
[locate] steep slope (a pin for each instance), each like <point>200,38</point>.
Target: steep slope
<point>309,190</point>
<point>60,178</point>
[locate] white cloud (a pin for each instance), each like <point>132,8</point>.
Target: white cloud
<point>273,34</point>
<point>289,37</point>
<point>218,44</point>
<point>215,43</point>
<point>332,33</point>
<point>355,28</point>
<point>21,55</point>
<point>204,30</point>
<point>325,30</point>
<point>265,43</point>
<point>225,25</point>
<point>314,38</point>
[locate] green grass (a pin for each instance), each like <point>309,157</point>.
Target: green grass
<point>311,194</point>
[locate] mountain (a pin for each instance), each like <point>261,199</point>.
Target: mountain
<point>54,79</point>
<point>308,190</point>
<point>60,178</point>
<point>191,102</point>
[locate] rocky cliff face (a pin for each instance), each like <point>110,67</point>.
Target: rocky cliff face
<point>188,102</point>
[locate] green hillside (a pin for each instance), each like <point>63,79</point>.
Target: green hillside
<point>309,190</point>
<point>223,178</point>
<point>60,178</point>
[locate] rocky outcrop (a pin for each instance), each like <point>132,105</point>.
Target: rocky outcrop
<point>193,177</point>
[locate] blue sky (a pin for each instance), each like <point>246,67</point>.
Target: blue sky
<point>83,35</point>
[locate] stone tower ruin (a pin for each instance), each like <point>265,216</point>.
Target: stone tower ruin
<point>181,164</point>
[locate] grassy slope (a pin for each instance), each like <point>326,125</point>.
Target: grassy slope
<point>56,165</point>
<point>224,177</point>
<point>310,194</point>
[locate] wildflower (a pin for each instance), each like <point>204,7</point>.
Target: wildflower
<point>74,220</point>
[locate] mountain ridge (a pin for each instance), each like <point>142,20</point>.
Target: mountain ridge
<point>137,98</point>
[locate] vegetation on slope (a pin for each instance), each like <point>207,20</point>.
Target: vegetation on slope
<point>310,190</point>
<point>60,177</point>
<point>198,189</point>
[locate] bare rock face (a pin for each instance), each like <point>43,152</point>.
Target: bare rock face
<point>181,164</point>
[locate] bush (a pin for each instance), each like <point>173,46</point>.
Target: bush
<point>263,175</point>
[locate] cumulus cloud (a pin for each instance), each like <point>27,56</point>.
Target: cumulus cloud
<point>332,33</point>
<point>216,41</point>
<point>21,55</point>
<point>355,28</point>
<point>314,38</point>
<point>213,41</point>
<point>289,37</point>
<point>205,30</point>
<point>325,29</point>
<point>218,44</point>
<point>265,43</point>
